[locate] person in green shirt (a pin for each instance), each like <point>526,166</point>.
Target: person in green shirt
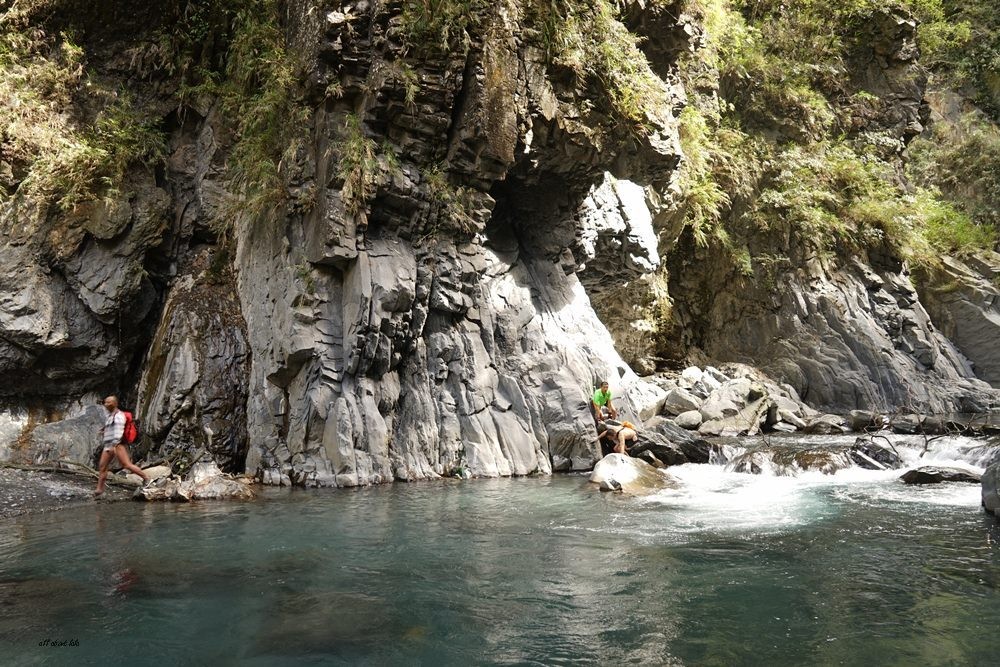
<point>601,399</point>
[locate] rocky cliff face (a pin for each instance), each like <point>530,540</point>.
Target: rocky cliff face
<point>435,325</point>
<point>421,301</point>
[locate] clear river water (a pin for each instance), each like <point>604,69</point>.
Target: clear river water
<point>800,568</point>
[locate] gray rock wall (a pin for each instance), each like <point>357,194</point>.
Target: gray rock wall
<point>844,337</point>
<point>963,301</point>
<point>451,316</point>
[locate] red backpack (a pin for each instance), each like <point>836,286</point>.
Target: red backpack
<point>131,433</point>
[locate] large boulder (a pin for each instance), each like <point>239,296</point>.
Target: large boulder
<point>680,400</point>
<point>630,475</point>
<point>864,420</point>
<point>689,420</point>
<point>747,421</point>
<point>991,489</point>
<point>73,439</point>
<point>695,449</point>
<point>936,475</point>
<point>907,424</point>
<point>826,425</point>
<point>727,400</point>
<point>657,444</point>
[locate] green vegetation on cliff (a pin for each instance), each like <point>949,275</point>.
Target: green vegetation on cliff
<point>66,136</point>
<point>784,140</point>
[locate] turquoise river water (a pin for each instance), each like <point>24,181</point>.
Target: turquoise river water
<point>728,569</point>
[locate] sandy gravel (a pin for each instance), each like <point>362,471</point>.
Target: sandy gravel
<point>23,492</point>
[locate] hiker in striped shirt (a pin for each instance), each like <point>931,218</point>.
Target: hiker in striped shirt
<point>111,438</point>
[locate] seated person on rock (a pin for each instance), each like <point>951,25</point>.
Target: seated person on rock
<point>620,433</point>
<point>601,400</point>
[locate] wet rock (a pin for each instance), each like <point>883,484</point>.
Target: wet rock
<point>610,485</point>
<point>784,427</point>
<point>660,447</point>
<point>781,460</point>
<point>632,475</point>
<point>873,455</point>
<point>937,475</point>
<point>695,449</point>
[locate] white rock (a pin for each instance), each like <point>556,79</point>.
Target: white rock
<point>677,401</point>
<point>790,418</point>
<point>689,420</point>
<point>156,472</point>
<point>646,398</point>
<point>634,476</point>
<point>716,374</point>
<point>690,376</point>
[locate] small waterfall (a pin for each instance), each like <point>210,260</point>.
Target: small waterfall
<point>791,456</point>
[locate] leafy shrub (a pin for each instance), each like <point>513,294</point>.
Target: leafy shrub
<point>587,38</point>
<point>48,155</point>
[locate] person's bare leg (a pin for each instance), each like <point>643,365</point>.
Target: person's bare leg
<point>620,447</point>
<point>121,451</point>
<point>102,471</point>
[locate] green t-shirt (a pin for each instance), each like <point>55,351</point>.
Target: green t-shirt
<point>601,398</point>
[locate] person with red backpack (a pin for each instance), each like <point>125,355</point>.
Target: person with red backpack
<point>118,432</point>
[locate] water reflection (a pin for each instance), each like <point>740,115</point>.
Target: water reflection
<point>729,569</point>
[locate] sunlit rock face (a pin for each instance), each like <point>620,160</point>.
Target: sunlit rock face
<point>437,324</point>
<point>963,301</point>
<point>398,342</point>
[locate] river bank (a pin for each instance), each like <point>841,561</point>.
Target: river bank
<point>31,492</point>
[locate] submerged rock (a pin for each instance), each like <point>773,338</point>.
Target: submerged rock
<point>936,475</point>
<point>630,474</point>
